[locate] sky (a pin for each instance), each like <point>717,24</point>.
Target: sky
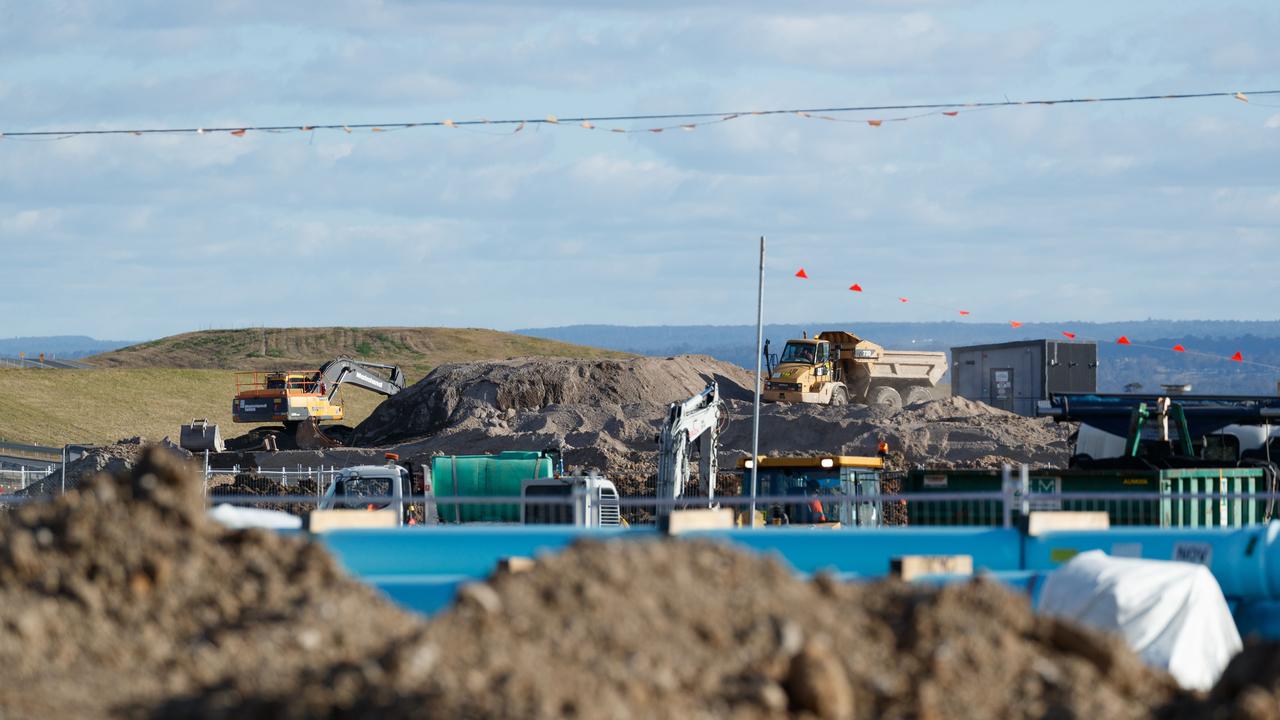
<point>1165,209</point>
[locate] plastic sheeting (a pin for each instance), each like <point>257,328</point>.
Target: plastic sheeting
<point>1172,614</point>
<point>238,518</point>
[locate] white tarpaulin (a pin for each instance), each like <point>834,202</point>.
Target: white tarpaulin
<point>1172,614</point>
<point>238,518</point>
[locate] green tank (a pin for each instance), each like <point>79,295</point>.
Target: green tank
<point>498,475</point>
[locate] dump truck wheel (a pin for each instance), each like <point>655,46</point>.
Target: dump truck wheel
<point>839,396</point>
<point>886,397</point>
<point>918,395</point>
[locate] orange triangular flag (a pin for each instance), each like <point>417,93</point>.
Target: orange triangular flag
<point>855,287</point>
<point>1069,335</point>
<point>802,274</point>
<point>950,113</point>
<point>1122,340</point>
<point>1015,323</point>
<point>874,123</point>
<point>1238,357</point>
<point>238,133</point>
<point>1242,97</point>
<point>964,312</point>
<point>1179,348</point>
<point>902,299</point>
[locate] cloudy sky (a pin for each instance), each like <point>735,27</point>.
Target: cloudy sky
<point>1165,209</point>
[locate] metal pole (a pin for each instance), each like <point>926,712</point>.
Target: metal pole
<point>755,410</point>
<point>64,469</point>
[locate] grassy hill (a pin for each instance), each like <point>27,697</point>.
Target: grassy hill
<point>53,407</point>
<point>151,388</point>
<point>416,350</point>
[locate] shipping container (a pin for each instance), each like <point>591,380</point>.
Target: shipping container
<point>1014,376</point>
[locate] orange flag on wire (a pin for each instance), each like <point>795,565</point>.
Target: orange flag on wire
<point>1238,357</point>
<point>1179,348</point>
<point>950,113</point>
<point>874,123</point>
<point>855,287</point>
<point>802,274</point>
<point>238,133</point>
<point>1122,340</point>
<point>902,300</point>
<point>1069,335</point>
<point>1015,324</point>
<point>964,312</point>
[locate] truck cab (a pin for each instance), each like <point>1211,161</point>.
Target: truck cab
<point>371,487</point>
<point>831,490</point>
<point>805,372</point>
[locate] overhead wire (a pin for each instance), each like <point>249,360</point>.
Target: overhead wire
<point>591,121</point>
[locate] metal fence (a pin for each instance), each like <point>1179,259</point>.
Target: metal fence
<point>18,479</point>
<point>300,489</point>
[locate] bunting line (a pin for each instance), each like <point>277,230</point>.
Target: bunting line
<point>1238,356</point>
<point>685,121</point>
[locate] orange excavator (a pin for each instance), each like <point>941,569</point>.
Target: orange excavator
<point>300,399</point>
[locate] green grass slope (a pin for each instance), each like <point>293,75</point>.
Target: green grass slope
<point>416,350</point>
<point>152,388</point>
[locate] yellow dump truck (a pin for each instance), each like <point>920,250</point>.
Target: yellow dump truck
<point>837,367</point>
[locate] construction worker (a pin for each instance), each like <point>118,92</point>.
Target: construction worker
<point>817,514</point>
<point>883,450</point>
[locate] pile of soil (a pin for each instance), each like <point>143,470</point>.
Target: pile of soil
<point>121,595</point>
<point>123,598</point>
<point>114,458</point>
<point>1249,689</point>
<point>694,629</point>
<point>467,394</point>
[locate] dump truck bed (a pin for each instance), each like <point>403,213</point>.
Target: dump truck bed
<point>905,364</point>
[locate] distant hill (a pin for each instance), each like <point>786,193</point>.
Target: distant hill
<point>1118,365</point>
<point>61,347</point>
<point>417,350</point>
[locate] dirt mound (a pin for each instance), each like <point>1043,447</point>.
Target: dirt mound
<point>468,394</point>
<point>1249,689</point>
<point>689,629</point>
<point>122,594</point>
<point>111,459</point>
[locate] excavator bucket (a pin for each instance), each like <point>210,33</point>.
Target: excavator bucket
<point>308,436</point>
<point>201,435</point>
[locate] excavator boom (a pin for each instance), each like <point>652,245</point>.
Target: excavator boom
<point>698,420</point>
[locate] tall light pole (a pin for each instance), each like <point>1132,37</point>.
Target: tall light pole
<point>755,412</point>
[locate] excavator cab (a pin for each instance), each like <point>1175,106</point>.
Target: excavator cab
<point>817,490</point>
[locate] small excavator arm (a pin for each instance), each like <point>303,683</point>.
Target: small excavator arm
<point>696,419</point>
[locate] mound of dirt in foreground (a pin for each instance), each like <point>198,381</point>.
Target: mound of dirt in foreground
<point>454,395</point>
<point>690,629</point>
<point>122,594</point>
<point>121,599</point>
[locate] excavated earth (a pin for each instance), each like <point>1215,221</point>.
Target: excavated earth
<point>606,415</point>
<point>122,599</point>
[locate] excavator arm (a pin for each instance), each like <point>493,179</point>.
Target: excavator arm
<point>344,370</point>
<point>694,420</point>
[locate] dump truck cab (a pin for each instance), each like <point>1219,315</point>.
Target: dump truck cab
<point>830,490</point>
